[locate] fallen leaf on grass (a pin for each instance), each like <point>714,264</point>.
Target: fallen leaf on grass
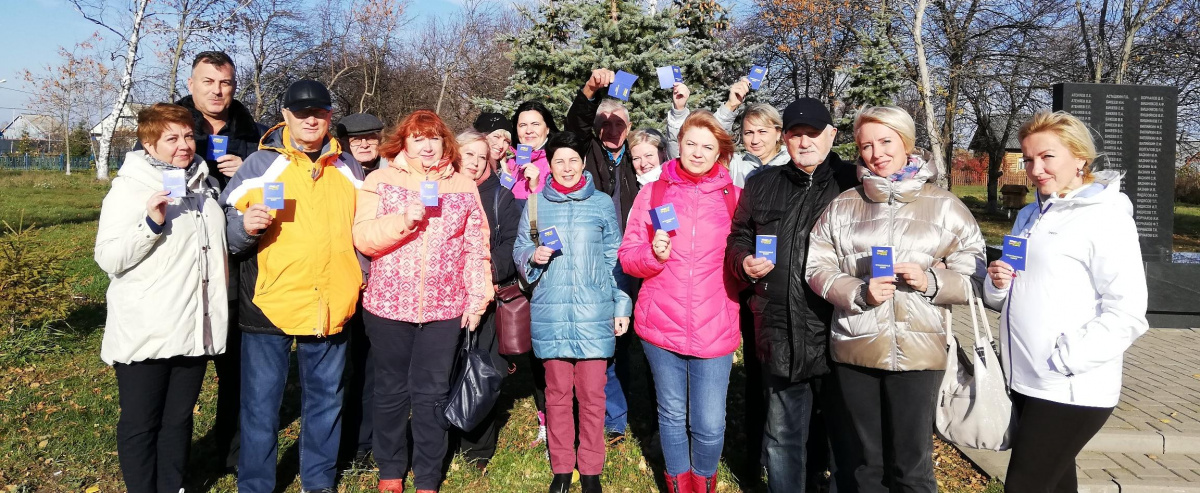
<point>93,489</point>
<point>43,443</point>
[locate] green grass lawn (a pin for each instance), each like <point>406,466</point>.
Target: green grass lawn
<point>58,409</point>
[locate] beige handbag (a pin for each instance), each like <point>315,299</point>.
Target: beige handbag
<point>973,408</point>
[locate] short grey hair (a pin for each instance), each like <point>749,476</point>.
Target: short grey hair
<point>610,105</point>
<point>470,137</point>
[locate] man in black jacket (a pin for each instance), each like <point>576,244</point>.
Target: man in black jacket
<point>212,84</point>
<point>609,162</point>
<point>791,321</point>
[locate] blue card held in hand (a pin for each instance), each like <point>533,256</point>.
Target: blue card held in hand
<point>175,182</point>
<point>429,195</point>
<point>273,195</point>
<point>757,74</point>
<point>217,145</point>
<point>668,76</point>
<point>1014,251</point>
<point>664,218</point>
<point>524,154</point>
<point>881,262</point>
<point>622,85</point>
<point>766,247</point>
<point>507,180</point>
<point>549,238</point>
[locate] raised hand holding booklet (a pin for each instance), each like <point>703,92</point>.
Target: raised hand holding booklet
<point>664,218</point>
<point>622,85</point>
<point>1014,250</point>
<point>757,74</point>
<point>524,154</point>
<point>550,239</point>
<point>429,195</point>
<point>217,146</point>
<point>273,195</point>
<point>766,248</point>
<point>668,76</point>
<point>882,262</point>
<point>175,182</point>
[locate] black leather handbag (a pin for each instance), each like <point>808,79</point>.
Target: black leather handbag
<point>476,389</point>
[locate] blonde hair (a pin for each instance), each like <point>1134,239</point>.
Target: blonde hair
<point>507,135</point>
<point>470,137</point>
<point>892,117</point>
<point>1070,130</point>
<point>640,136</point>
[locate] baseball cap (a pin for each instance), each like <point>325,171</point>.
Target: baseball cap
<point>806,111</point>
<point>359,124</point>
<point>307,93</point>
<point>491,122</point>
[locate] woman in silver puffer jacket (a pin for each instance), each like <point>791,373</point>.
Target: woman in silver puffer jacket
<point>888,338</point>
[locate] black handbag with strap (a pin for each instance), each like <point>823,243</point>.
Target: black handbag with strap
<point>476,388</point>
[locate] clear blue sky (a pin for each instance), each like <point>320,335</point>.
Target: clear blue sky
<point>34,29</point>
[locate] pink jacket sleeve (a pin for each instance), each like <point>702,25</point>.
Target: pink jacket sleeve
<point>636,256</point>
<point>477,273</point>
<point>374,234</point>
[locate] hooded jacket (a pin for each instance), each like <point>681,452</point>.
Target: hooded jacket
<point>438,269</point>
<point>1080,302</point>
<point>791,322</point>
<point>923,224</point>
<point>617,178</point>
<point>687,304</point>
<point>300,276</point>
<point>167,294</point>
<point>580,291</point>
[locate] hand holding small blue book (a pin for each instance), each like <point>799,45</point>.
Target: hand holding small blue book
<point>664,218</point>
<point>668,76</point>
<point>175,183</point>
<point>622,85</point>
<point>524,154</point>
<point>766,247</point>
<point>757,74</point>
<point>882,262</point>
<point>429,193</point>
<point>1014,251</point>
<point>217,146</point>
<point>507,180</point>
<point>550,239</point>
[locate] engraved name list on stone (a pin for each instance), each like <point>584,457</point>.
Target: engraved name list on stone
<point>1134,128</point>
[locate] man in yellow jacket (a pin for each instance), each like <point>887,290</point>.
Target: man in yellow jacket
<point>299,281</point>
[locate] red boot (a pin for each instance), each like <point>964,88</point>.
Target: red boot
<point>391,485</point>
<point>679,484</point>
<point>701,484</point>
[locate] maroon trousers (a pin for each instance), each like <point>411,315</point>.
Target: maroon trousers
<point>567,380</point>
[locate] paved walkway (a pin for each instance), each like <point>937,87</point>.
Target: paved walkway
<point>1151,444</point>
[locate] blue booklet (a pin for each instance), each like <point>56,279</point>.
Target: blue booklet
<point>273,195</point>
<point>766,247</point>
<point>429,195</point>
<point>882,262</point>
<point>664,218</point>
<point>622,85</point>
<point>668,76</point>
<point>175,182</point>
<point>757,74</point>
<point>549,238</point>
<point>524,154</point>
<point>1014,251</point>
<point>507,180</point>
<point>217,145</point>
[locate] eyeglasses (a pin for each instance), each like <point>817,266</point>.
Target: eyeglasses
<point>363,141</point>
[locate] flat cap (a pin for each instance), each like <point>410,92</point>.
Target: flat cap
<point>359,124</point>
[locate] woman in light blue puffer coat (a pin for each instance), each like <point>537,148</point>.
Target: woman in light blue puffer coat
<point>579,305</point>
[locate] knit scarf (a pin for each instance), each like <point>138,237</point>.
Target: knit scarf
<point>568,190</point>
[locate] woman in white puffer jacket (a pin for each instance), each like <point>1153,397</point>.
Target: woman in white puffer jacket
<point>1069,316</point>
<point>167,307</point>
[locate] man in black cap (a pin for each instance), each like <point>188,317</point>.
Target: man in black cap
<point>791,322</point>
<point>361,133</point>
<point>299,284</point>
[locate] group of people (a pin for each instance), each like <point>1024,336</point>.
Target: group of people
<point>372,280</point>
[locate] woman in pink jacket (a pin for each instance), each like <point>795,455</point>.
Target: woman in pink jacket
<point>687,310</point>
<point>533,125</point>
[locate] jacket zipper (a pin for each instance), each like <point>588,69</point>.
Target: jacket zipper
<point>892,243</point>
<point>691,270</point>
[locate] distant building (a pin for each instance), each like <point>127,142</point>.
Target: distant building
<point>127,122</point>
<point>36,127</point>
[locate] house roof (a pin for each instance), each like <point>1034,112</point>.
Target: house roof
<point>38,127</point>
<point>128,118</point>
<point>997,123</point>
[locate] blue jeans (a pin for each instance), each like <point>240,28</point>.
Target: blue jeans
<point>616,408</point>
<point>789,408</point>
<point>265,362</point>
<point>690,390</point>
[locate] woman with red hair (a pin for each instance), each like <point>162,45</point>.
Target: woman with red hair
<point>421,223</point>
<point>687,309</point>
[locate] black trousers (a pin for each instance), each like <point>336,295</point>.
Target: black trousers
<point>229,393</point>
<point>413,379</point>
<point>1048,437</point>
<point>154,431</point>
<point>479,444</point>
<point>892,414</point>
<point>754,392</point>
<point>833,449</point>
<point>360,388</point>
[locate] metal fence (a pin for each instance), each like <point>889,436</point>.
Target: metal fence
<point>979,179</point>
<point>28,162</point>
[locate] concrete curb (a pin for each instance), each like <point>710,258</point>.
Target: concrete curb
<point>995,465</point>
<point>1143,442</point>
